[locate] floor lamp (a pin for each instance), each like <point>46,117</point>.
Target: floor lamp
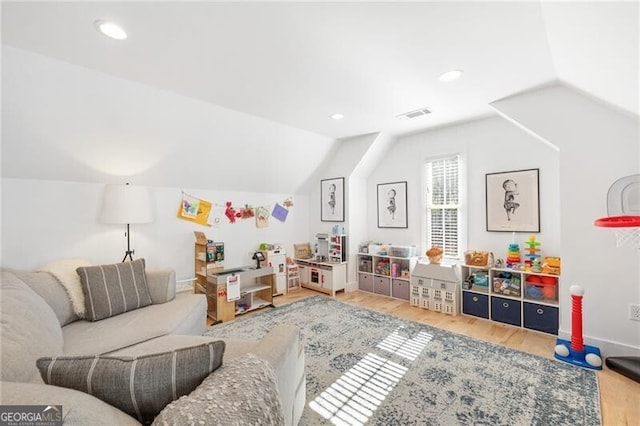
<point>124,205</point>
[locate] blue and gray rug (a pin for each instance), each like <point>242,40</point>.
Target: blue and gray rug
<point>365,367</point>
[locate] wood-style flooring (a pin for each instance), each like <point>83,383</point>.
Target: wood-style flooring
<point>619,396</point>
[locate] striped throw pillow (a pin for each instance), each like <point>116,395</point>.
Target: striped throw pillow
<point>114,289</point>
<point>140,386</point>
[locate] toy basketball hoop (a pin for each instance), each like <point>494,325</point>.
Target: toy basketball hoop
<point>625,228</point>
<point>623,206</point>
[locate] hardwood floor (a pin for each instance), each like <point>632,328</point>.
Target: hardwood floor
<point>619,396</point>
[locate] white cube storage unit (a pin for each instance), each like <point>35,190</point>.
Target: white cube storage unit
<point>381,273</point>
<point>436,287</point>
<point>509,296</point>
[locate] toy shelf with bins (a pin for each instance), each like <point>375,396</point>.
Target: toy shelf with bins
<point>520,298</point>
<point>385,275</point>
<point>208,257</point>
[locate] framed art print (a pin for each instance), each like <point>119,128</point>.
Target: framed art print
<point>392,205</point>
<point>513,201</point>
<point>332,200</point>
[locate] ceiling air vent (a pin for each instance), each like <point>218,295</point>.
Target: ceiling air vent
<point>413,114</point>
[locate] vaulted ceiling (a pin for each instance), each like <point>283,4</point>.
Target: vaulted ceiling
<point>296,63</point>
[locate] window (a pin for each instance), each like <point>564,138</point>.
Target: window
<point>443,205</point>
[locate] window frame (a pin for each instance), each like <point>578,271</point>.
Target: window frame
<point>426,234</point>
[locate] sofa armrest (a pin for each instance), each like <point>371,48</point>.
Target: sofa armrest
<point>283,348</point>
<point>162,285</point>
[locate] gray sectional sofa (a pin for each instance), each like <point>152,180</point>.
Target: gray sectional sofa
<point>37,320</point>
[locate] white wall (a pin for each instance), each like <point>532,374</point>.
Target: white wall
<point>342,162</point>
<point>66,122</point>
<point>486,146</point>
<point>68,130</point>
<point>594,46</point>
<point>45,220</point>
<point>598,145</point>
<point>358,231</point>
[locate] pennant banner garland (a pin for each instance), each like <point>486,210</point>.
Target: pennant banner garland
<point>197,210</point>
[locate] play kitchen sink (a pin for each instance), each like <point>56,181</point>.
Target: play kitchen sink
<point>246,274</point>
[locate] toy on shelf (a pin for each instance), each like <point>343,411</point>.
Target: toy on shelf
<point>532,250</point>
<point>551,265</point>
<point>536,266</point>
<point>513,256</point>
<point>383,267</point>
<point>542,287</point>
<point>576,352</point>
<point>434,254</point>
<point>506,283</point>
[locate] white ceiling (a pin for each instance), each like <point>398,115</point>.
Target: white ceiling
<point>297,63</point>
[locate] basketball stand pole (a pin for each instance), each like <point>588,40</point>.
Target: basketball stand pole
<point>575,351</point>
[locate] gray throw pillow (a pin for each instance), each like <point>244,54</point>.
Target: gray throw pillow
<point>243,392</point>
<point>114,289</point>
<point>140,386</point>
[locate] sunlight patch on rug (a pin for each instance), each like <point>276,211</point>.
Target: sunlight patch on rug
<point>354,397</point>
<point>406,347</point>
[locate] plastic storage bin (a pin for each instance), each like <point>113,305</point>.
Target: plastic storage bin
<point>402,251</point>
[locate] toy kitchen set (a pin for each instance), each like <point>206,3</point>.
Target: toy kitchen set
<point>326,271</point>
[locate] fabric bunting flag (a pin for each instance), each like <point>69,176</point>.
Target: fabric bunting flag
<point>194,210</point>
<point>262,217</point>
<point>280,212</point>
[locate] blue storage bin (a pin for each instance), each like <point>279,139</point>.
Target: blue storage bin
<point>506,311</point>
<point>541,317</point>
<point>475,304</point>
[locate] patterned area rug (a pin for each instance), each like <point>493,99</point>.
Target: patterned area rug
<point>364,367</point>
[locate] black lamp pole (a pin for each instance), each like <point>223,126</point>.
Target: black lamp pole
<point>129,251</point>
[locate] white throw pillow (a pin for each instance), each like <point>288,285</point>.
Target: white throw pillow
<point>65,272</point>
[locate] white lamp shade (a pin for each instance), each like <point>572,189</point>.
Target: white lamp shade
<point>126,204</point>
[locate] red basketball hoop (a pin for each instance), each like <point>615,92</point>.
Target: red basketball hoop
<point>626,229</point>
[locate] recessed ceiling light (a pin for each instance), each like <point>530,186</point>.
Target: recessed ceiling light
<point>450,75</point>
<point>110,30</point>
<point>337,116</point>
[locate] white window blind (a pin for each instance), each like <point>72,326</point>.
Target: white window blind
<point>443,205</point>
